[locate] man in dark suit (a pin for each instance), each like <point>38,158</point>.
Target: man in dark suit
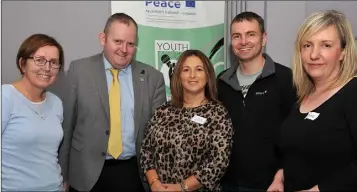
<point>108,100</point>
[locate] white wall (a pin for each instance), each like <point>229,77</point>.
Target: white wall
<point>75,24</point>
<point>283,19</point>
<point>282,23</point>
<point>256,6</point>
<point>349,8</point>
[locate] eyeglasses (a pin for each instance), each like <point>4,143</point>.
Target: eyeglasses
<point>41,61</point>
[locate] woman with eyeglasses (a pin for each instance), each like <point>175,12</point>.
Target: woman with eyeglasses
<point>31,129</point>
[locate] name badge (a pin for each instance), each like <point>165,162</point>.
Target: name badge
<point>312,115</point>
<point>198,119</point>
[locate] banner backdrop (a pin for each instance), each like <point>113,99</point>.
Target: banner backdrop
<point>167,28</point>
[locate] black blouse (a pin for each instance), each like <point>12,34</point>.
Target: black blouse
<point>320,147</point>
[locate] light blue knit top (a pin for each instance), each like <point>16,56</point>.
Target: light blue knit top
<point>31,134</point>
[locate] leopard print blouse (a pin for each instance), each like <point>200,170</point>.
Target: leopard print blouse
<point>178,147</point>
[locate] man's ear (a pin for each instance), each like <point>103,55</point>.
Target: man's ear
<point>264,36</point>
<point>102,38</point>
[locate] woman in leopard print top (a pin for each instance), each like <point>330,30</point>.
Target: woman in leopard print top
<point>188,140</point>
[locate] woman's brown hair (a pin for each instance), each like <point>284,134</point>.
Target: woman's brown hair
<point>32,44</point>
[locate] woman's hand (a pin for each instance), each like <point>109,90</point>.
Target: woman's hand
<point>278,184</point>
<point>314,189</point>
<point>172,187</point>
<point>65,186</point>
<point>157,186</point>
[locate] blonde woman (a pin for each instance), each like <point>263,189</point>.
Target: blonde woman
<point>319,137</point>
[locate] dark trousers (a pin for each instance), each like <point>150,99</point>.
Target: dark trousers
<point>118,175</point>
<point>234,188</point>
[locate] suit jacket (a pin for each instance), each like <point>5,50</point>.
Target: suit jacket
<point>86,116</point>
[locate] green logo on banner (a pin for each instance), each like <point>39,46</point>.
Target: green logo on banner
<point>166,54</point>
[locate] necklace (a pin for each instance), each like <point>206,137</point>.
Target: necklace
<point>37,107</point>
<point>204,101</point>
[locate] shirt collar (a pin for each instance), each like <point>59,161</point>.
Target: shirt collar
<point>108,66</point>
